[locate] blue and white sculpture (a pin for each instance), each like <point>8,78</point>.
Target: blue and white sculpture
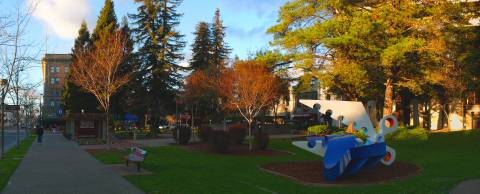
<point>345,155</point>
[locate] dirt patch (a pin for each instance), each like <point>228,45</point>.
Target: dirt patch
<point>311,173</point>
<point>101,151</point>
<point>237,150</point>
<point>124,170</point>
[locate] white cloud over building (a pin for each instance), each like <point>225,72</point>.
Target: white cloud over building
<point>63,17</point>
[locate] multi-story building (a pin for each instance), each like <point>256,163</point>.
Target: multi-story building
<point>55,67</point>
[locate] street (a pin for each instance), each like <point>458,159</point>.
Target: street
<point>11,138</point>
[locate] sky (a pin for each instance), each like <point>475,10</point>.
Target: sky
<point>55,23</point>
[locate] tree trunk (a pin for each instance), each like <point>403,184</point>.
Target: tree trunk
<point>250,146</point>
<point>2,125</point>
<point>109,136</point>
<point>388,101</point>
<point>400,112</point>
<point>416,120</point>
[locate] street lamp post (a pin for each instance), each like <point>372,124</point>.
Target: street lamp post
<point>3,83</point>
<point>474,110</point>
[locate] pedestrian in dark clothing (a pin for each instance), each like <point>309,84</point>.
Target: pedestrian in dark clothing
<point>39,133</point>
<point>328,118</point>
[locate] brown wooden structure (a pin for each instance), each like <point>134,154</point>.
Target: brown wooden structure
<point>86,125</point>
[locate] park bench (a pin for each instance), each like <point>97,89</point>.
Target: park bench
<point>137,156</point>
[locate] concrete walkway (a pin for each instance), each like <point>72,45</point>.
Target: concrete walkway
<point>467,187</point>
<point>61,166</point>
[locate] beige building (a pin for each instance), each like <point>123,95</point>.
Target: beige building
<point>55,67</point>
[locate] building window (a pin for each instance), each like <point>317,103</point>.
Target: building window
<point>54,80</point>
<point>54,69</point>
<point>52,103</point>
<point>66,69</point>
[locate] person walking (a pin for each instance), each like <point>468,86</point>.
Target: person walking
<point>39,134</point>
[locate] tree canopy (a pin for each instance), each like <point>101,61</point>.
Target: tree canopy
<point>360,49</point>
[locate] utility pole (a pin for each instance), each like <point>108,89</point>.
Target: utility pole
<point>41,110</point>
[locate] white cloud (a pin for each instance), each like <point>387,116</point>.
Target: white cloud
<point>63,17</point>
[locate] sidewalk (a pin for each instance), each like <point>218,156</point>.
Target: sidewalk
<point>61,166</point>
<point>467,187</point>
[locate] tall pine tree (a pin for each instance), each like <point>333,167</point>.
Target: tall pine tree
<point>74,99</point>
<point>201,48</point>
<point>220,49</point>
<point>106,22</point>
<point>125,99</point>
<point>159,50</point>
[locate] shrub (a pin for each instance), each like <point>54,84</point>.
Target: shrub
<point>219,141</point>
<point>237,133</point>
<point>403,133</point>
<point>129,134</point>
<point>123,134</point>
<point>319,129</point>
<point>182,134</point>
<point>145,134</point>
<point>261,141</point>
<point>204,132</point>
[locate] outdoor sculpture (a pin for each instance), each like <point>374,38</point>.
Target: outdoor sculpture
<point>346,154</point>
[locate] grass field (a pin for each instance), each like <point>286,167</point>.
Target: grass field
<point>12,159</point>
<point>446,159</point>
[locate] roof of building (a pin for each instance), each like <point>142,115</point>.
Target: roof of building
<point>57,57</point>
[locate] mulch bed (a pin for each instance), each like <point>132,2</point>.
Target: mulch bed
<point>311,173</point>
<point>124,170</point>
<point>237,150</point>
<point>100,151</point>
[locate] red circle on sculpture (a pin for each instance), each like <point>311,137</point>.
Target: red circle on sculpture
<point>389,122</point>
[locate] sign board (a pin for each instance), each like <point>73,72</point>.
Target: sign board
<point>11,108</point>
<point>87,124</point>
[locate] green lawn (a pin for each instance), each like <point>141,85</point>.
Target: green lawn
<point>446,159</point>
<point>12,159</point>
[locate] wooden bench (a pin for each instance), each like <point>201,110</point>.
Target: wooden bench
<point>137,156</point>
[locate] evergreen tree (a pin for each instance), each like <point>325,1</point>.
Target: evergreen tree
<point>74,99</point>
<point>201,48</point>
<point>124,100</point>
<point>364,48</point>
<point>159,52</point>
<point>106,22</point>
<point>220,49</point>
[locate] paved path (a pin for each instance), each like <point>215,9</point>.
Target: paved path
<point>61,166</point>
<point>467,187</point>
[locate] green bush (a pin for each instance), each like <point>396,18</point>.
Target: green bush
<point>123,134</point>
<point>145,134</point>
<point>403,133</point>
<point>219,141</point>
<point>319,129</point>
<point>90,141</point>
<point>182,134</point>
<point>129,134</point>
<point>261,141</point>
<point>237,133</point>
<point>204,132</point>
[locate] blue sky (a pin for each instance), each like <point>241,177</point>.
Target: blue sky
<point>57,21</point>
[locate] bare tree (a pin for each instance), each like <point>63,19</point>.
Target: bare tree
<point>15,55</point>
<point>96,70</point>
<point>249,88</point>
